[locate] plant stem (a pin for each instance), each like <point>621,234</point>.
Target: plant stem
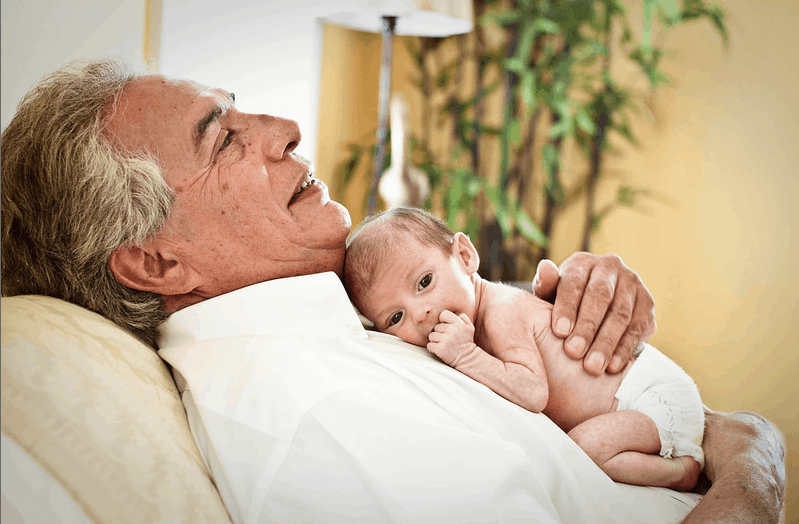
<point>603,108</point>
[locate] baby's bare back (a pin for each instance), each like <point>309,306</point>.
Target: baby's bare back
<point>511,318</point>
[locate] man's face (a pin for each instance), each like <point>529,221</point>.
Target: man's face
<point>246,208</point>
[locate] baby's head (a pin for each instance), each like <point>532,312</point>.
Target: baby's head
<point>404,266</point>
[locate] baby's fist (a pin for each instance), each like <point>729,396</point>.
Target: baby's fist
<point>453,338</point>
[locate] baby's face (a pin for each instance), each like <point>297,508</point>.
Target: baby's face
<point>413,286</point>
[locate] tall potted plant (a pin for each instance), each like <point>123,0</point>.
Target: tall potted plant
<point>530,99</point>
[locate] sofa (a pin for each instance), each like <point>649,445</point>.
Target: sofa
<point>92,423</point>
<point>93,427</point>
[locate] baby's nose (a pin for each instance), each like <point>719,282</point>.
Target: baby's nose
<point>422,313</point>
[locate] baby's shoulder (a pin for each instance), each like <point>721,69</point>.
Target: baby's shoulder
<point>506,304</point>
<point>505,295</point>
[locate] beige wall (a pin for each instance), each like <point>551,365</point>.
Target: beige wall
<point>720,249</point>
<point>40,35</point>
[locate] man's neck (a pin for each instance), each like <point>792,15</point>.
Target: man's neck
<point>177,302</point>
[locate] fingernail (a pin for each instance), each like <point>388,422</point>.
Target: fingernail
<point>576,345</point>
<point>563,326</point>
<point>615,364</point>
<point>595,362</point>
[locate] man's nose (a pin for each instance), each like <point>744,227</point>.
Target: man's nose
<point>282,136</point>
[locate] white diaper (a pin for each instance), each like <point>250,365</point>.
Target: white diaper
<point>659,388</point>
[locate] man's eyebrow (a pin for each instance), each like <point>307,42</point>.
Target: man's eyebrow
<point>205,122</point>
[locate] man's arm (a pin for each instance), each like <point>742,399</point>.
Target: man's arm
<point>601,307</point>
<point>745,461</point>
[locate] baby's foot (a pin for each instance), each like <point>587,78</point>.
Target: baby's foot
<point>687,472</point>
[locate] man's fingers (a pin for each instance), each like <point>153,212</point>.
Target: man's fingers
<point>641,326</point>
<point>607,315</point>
<point>628,321</point>
<point>546,280</point>
<point>571,286</point>
<point>623,353</point>
<point>593,311</point>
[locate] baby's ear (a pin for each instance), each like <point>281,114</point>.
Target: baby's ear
<point>464,250</point>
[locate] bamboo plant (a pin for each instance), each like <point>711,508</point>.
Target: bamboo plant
<point>505,108</point>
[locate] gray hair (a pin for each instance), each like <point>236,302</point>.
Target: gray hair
<point>373,239</point>
<point>70,197</point>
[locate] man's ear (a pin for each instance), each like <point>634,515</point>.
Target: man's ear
<point>464,250</point>
<point>150,268</point>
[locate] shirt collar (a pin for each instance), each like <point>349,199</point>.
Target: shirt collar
<point>314,305</point>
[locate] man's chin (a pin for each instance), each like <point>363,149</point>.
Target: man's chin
<point>344,213</point>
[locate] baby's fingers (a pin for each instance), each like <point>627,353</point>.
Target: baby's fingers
<point>448,317</point>
<point>466,320</point>
<point>436,336</point>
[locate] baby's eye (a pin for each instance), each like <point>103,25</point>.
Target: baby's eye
<point>425,281</point>
<point>395,318</point>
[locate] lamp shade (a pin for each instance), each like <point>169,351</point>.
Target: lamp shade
<point>414,17</point>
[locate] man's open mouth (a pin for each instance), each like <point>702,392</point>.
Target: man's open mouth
<point>307,181</point>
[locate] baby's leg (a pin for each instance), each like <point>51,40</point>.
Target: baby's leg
<point>626,445</point>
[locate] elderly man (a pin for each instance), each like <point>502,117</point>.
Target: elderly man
<point>139,196</point>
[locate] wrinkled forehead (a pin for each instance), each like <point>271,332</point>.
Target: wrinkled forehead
<point>165,117</point>
<point>156,107</point>
<point>153,93</point>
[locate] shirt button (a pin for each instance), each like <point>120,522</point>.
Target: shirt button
<point>354,328</point>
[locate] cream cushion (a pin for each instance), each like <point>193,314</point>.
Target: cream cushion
<point>98,410</point>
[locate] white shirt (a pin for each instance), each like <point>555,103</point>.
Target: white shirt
<point>304,416</point>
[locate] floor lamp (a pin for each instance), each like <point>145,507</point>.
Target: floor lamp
<point>435,18</point>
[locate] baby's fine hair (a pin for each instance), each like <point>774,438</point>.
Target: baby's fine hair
<point>374,238</point>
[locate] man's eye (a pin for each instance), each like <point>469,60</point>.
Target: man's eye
<point>425,281</point>
<point>226,142</point>
<point>395,318</point>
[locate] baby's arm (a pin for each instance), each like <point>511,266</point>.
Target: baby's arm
<point>518,376</point>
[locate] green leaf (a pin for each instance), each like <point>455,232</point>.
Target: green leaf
<point>514,64</point>
<point>584,121</point>
<point>649,9</point>
<point>514,131</point>
<point>671,8</point>
<point>473,187</point>
<point>543,25</point>
<point>528,87</point>
<point>530,230</point>
<point>626,196</point>
<point>503,218</point>
<point>454,196</point>
<point>595,220</point>
<point>443,79</point>
<point>551,159</point>
<point>500,17</point>
<point>414,49</point>
<point>526,39</point>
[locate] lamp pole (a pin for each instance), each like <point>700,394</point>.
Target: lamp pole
<point>388,25</point>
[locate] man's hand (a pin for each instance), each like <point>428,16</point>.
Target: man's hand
<point>452,340</point>
<point>601,307</point>
<point>745,462</point>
